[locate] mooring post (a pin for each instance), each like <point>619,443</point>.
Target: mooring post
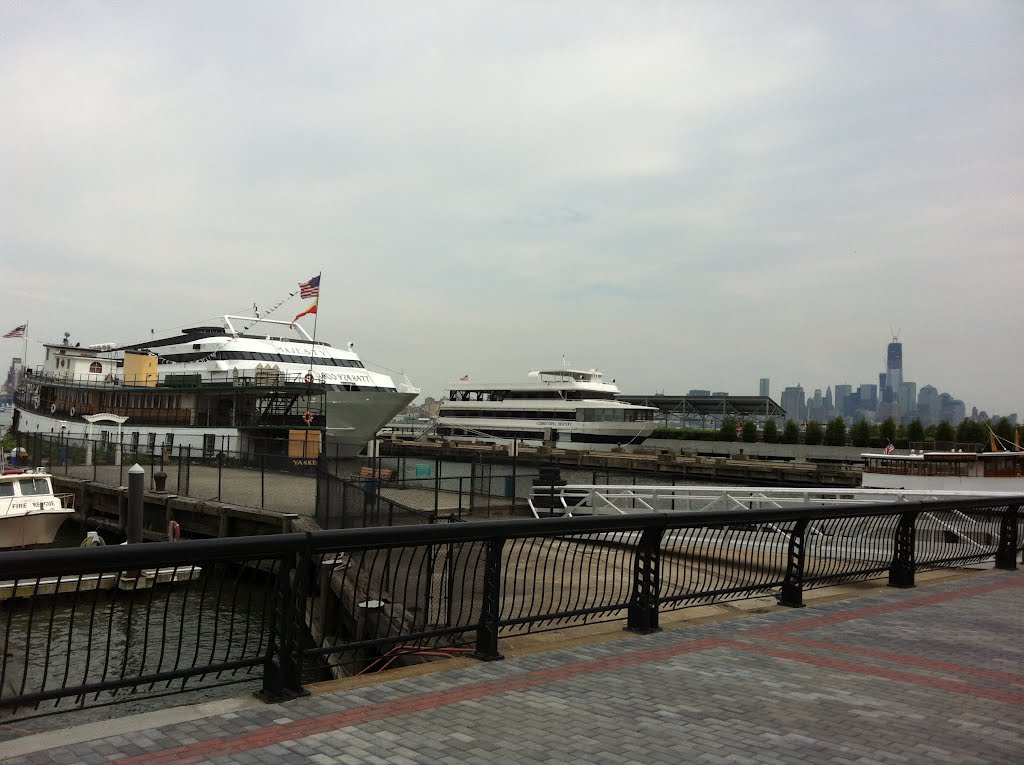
<point>136,488</point>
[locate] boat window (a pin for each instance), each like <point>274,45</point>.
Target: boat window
<point>34,486</point>
<point>95,367</point>
<point>6,489</point>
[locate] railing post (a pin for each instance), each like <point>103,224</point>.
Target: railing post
<point>220,473</point>
<point>901,572</point>
<point>282,668</point>
<point>643,606</point>
<point>490,615</point>
<point>792,594</point>
<point>1006,555</point>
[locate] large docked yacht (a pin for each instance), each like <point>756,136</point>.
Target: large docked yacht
<point>214,389</point>
<point>552,406</point>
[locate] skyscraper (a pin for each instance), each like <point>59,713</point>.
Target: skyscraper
<point>893,372</point>
<point>794,402</point>
<point>763,387</point>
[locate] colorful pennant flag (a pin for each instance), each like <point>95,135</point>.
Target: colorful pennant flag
<point>311,309</point>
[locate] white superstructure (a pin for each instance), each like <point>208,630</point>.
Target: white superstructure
<point>552,406</point>
<point>1001,471</point>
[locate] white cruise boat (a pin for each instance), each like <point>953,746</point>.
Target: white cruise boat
<point>975,472</point>
<point>550,406</point>
<point>214,389</point>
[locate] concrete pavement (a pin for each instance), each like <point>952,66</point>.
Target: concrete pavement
<point>929,675</point>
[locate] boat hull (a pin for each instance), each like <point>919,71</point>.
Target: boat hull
<point>355,417</point>
<point>975,484</point>
<point>31,529</point>
<point>561,431</point>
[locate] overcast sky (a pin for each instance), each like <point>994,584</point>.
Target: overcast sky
<point>681,194</point>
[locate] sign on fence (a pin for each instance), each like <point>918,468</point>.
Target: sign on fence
<point>423,471</point>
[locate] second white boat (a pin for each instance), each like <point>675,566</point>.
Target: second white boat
<point>552,406</point>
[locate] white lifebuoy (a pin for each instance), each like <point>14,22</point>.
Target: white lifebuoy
<point>53,408</point>
<point>307,417</point>
<point>308,378</point>
<point>71,412</point>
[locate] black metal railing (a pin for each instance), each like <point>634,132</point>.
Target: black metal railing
<point>81,627</point>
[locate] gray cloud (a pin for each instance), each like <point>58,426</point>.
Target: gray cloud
<point>685,195</point>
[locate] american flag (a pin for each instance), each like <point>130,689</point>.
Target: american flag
<point>310,289</point>
<point>17,331</point>
<point>889,448</point>
<point>464,378</point>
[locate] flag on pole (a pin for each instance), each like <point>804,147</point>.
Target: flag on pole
<point>310,289</point>
<point>311,309</point>
<point>889,448</point>
<point>464,378</point>
<point>17,331</point>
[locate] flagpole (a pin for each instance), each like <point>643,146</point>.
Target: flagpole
<point>315,317</point>
<point>24,355</point>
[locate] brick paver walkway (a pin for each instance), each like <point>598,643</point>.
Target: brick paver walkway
<point>930,675</point>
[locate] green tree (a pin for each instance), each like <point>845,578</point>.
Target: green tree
<point>790,433</point>
<point>771,431</point>
<point>915,432</point>
<point>749,432</point>
<point>860,433</point>
<point>835,432</point>
<point>814,434</point>
<point>944,432</point>
<point>728,431</point>
<point>1005,430</point>
<point>971,432</point>
<point>887,430</point>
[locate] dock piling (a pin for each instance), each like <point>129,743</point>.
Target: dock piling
<point>136,487</point>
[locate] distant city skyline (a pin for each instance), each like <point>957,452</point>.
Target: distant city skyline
<point>682,195</point>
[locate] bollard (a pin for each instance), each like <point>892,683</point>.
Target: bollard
<point>136,488</point>
<point>287,519</point>
<point>160,480</point>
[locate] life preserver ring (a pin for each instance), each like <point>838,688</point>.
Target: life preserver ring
<point>53,408</point>
<point>173,531</point>
<point>71,412</point>
<point>307,417</point>
<point>308,378</point>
